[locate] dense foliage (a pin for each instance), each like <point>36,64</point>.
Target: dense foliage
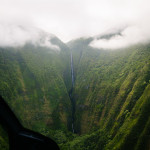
<point>35,82</point>
<point>111,93</point>
<point>112,96</point>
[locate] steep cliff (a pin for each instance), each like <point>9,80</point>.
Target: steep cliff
<point>112,97</point>
<point>102,96</point>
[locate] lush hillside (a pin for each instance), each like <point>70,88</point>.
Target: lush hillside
<point>112,93</point>
<point>35,83</point>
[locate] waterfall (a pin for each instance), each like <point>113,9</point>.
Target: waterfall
<point>72,72</point>
<point>72,100</point>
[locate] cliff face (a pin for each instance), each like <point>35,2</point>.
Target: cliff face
<point>110,97</point>
<point>35,83</point>
<point>112,94</point>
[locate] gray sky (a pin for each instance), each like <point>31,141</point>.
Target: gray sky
<point>69,19</point>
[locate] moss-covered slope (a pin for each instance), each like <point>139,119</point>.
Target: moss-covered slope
<point>111,94</point>
<point>35,83</point>
<point>112,97</point>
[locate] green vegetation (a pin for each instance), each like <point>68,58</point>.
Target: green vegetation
<point>32,80</point>
<point>111,93</point>
<point>3,139</point>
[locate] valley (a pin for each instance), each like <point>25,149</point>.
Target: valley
<point>82,97</point>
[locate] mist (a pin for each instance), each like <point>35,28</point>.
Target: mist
<point>14,35</point>
<point>133,18</point>
<point>23,20</point>
<point>131,35</point>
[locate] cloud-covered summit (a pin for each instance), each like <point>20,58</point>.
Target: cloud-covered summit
<point>18,35</point>
<point>71,19</point>
<point>129,36</point>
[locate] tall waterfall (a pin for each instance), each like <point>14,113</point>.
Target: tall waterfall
<point>72,100</point>
<point>72,72</point>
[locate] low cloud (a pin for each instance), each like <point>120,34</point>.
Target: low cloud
<point>20,34</point>
<point>133,21</point>
<point>73,19</point>
<point>131,35</point>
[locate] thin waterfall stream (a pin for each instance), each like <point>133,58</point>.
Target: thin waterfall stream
<point>70,94</point>
<point>72,71</point>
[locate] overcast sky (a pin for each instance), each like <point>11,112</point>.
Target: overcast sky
<point>69,19</point>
